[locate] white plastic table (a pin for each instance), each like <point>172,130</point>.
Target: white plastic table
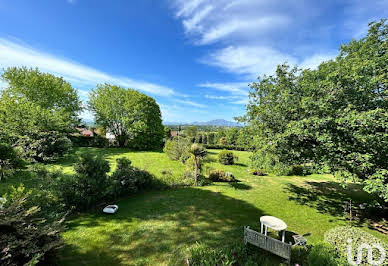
<point>273,223</point>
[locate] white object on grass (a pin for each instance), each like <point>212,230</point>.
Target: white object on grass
<point>110,209</point>
<point>273,223</point>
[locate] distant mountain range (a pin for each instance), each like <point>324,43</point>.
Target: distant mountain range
<point>216,122</point>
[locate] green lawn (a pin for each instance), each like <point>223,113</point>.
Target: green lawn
<point>155,228</point>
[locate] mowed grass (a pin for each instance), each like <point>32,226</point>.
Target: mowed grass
<point>156,228</point>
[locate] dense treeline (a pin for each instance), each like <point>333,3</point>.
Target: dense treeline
<point>334,117</point>
<point>234,138</point>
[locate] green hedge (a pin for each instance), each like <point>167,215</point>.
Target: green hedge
<point>226,147</point>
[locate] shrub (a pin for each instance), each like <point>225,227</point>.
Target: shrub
<point>258,172</point>
<point>227,147</point>
<point>300,170</point>
<point>25,238</point>
<point>221,176</point>
<point>324,254</point>
<point>88,186</point>
<point>44,146</point>
<point>339,237</point>
<point>226,157</point>
<point>176,149</point>
<point>127,179</point>
<point>9,160</point>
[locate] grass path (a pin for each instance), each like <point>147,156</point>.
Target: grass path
<point>155,228</point>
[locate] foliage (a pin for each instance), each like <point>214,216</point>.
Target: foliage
<point>167,132</point>
<point>210,138</point>
<point>198,154</point>
<point>177,148</point>
<point>221,176</point>
<point>85,141</point>
<point>37,112</point>
<point>9,160</point>
<point>223,141</point>
<point>25,237</point>
<point>339,236</point>
<point>88,186</point>
<point>335,115</point>
<point>231,135</point>
<point>133,117</point>
<point>191,131</point>
<point>225,147</point>
<point>127,179</point>
<point>226,157</point>
<point>200,254</point>
<point>45,90</point>
<point>258,172</point>
<point>324,254</point>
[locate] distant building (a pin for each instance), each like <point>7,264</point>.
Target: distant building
<point>174,133</point>
<point>86,132</point>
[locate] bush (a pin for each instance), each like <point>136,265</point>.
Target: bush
<point>25,238</point>
<point>300,170</point>
<point>324,254</point>
<point>88,186</point>
<point>9,160</point>
<point>227,147</point>
<point>339,236</point>
<point>257,172</point>
<point>44,146</point>
<point>127,179</point>
<point>221,176</point>
<point>226,157</point>
<point>177,149</point>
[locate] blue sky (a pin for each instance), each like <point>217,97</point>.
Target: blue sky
<point>195,57</point>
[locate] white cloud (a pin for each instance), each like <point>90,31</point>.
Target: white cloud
<point>217,97</point>
<point>222,31</point>
<point>243,101</point>
<point>253,37</point>
<point>14,54</point>
<point>249,61</point>
<point>237,88</point>
<point>214,20</point>
<point>253,61</point>
<point>191,103</point>
<point>314,61</point>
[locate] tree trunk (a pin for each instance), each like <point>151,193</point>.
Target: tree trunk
<point>196,170</point>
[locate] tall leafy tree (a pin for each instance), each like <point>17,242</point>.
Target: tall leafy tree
<point>336,115</point>
<point>37,111</point>
<point>133,117</point>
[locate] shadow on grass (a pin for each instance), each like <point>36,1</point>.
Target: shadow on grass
<point>331,198</point>
<point>155,227</point>
<point>240,186</point>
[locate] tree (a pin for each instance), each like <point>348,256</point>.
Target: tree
<point>25,236</point>
<point>336,115</point>
<point>191,131</point>
<point>167,132</point>
<point>231,135</point>
<point>198,153</point>
<point>9,159</point>
<point>37,112</point>
<point>210,138</point>
<point>45,90</point>
<point>133,117</point>
<point>204,138</point>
